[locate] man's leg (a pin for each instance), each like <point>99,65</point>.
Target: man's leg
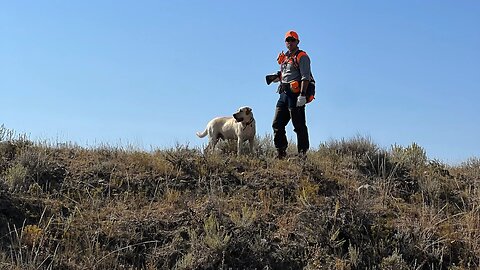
<point>300,127</point>
<point>280,121</point>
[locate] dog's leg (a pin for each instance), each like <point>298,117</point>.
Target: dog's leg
<point>250,142</point>
<point>211,144</point>
<point>239,146</point>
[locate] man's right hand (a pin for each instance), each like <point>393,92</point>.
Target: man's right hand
<point>281,58</point>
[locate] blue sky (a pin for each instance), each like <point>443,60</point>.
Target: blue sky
<point>152,73</point>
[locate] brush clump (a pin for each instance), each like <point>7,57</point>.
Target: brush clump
<point>349,205</point>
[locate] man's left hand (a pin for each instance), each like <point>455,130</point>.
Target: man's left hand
<point>301,100</point>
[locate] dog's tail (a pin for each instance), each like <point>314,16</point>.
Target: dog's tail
<point>203,134</point>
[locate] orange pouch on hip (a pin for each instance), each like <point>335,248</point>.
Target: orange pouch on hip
<point>295,87</point>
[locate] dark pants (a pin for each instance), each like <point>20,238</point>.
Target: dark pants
<point>286,109</point>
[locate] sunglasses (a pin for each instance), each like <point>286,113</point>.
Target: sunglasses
<point>290,39</point>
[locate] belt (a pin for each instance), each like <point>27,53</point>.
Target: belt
<point>283,87</point>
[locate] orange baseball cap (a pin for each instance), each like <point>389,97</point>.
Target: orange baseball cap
<point>291,33</point>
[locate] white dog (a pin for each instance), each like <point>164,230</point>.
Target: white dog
<point>240,127</point>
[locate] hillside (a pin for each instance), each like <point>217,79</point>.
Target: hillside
<point>349,205</point>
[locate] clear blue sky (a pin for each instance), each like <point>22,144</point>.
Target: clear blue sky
<point>152,73</point>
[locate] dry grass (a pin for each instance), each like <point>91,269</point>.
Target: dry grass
<point>350,205</point>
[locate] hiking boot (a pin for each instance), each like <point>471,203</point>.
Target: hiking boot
<point>281,153</point>
<point>302,155</point>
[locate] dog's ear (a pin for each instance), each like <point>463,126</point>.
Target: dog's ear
<point>248,110</point>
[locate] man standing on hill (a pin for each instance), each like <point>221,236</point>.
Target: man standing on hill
<point>295,79</point>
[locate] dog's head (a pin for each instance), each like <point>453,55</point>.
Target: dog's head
<point>244,114</point>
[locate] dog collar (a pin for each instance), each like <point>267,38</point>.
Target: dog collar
<point>249,123</point>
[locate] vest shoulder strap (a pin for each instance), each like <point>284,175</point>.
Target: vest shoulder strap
<point>300,54</point>
<point>296,59</point>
